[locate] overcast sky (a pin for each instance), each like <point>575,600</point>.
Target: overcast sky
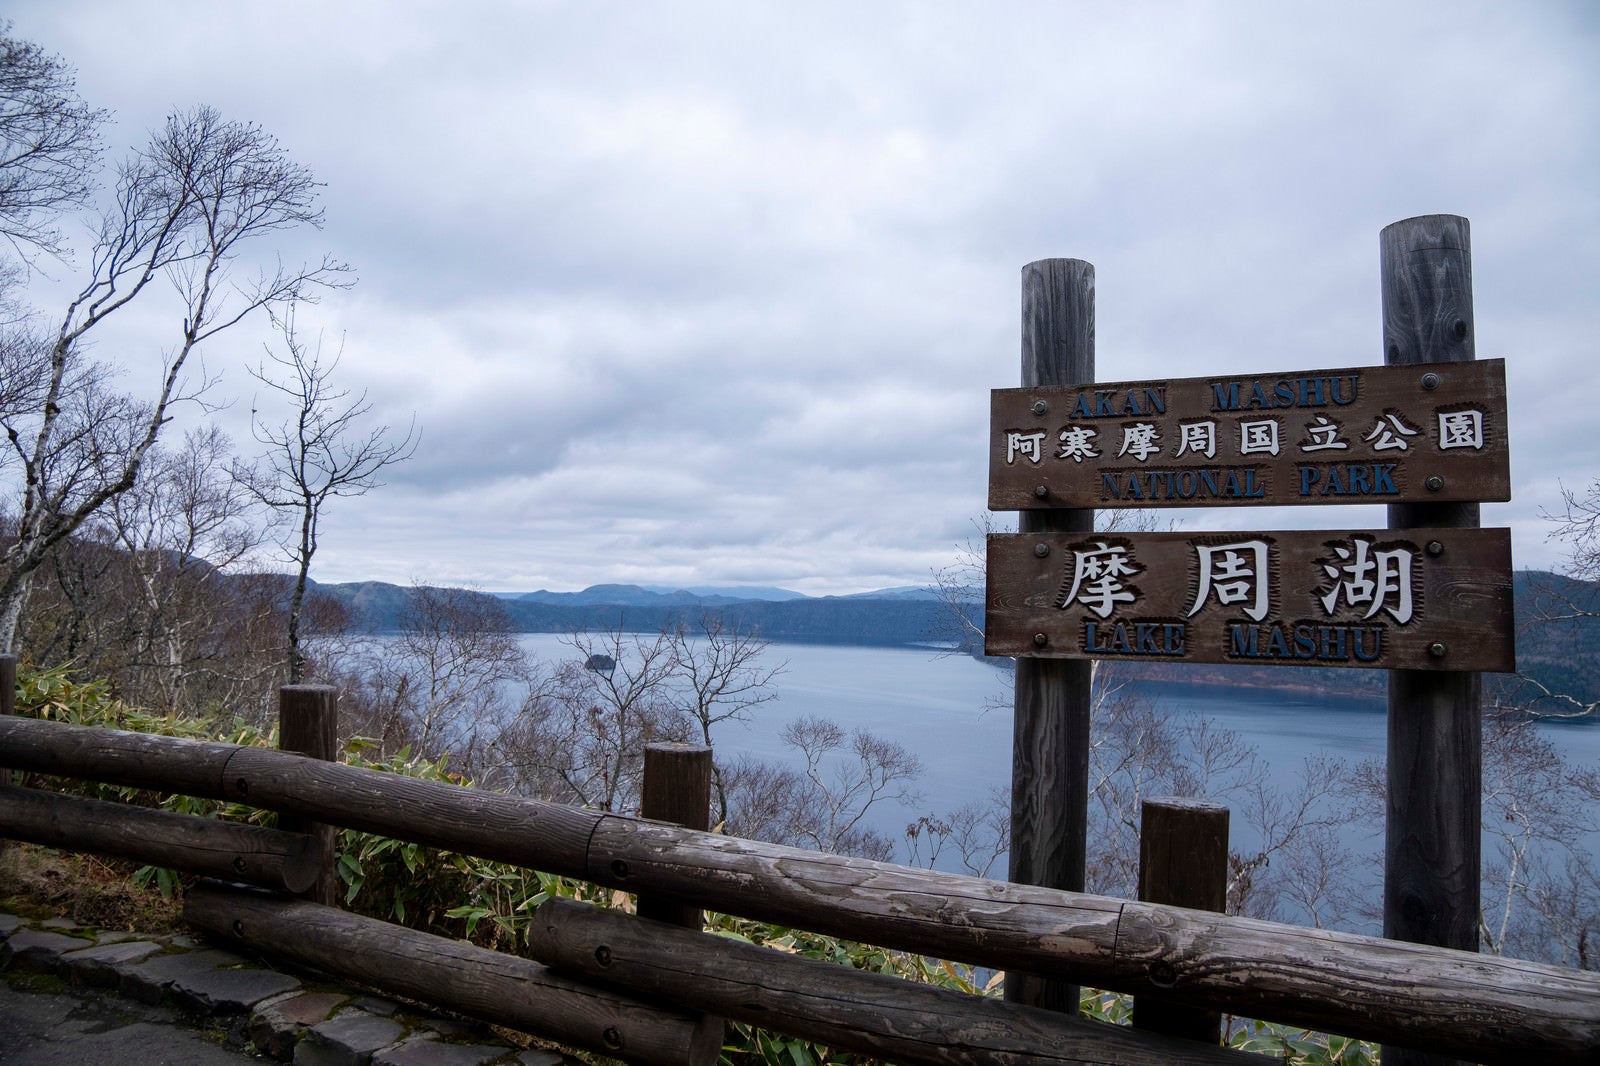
<point>715,293</point>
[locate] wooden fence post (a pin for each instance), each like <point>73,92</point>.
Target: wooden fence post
<point>1432,855</point>
<point>1050,738</point>
<point>1183,861</point>
<point>8,706</point>
<point>308,723</point>
<point>8,699</point>
<point>676,789</point>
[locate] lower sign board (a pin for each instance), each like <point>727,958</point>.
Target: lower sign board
<point>1427,599</point>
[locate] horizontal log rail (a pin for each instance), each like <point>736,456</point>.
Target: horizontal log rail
<point>287,862</point>
<point>851,1009</point>
<point>487,985</point>
<point>1485,1008</point>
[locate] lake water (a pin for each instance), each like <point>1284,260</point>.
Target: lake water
<point>954,712</point>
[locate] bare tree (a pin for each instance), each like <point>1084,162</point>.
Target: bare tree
<point>180,528</point>
<point>978,832</point>
<point>1560,618</point>
<point>960,589</point>
<point>320,451</point>
<point>824,804</point>
<point>718,677</point>
<point>185,209</point>
<point>49,145</point>
<point>1578,523</point>
<point>1297,855</point>
<point>445,679</point>
<point>581,734</point>
<point>847,773</point>
<point>1542,882</point>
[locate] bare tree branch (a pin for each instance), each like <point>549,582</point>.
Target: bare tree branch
<point>320,451</point>
<point>184,210</point>
<point>49,145</point>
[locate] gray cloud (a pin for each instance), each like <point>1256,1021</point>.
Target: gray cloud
<point>706,293</point>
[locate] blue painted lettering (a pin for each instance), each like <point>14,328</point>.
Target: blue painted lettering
<point>1134,638</point>
<point>1262,395</point>
<point>1190,483</point>
<point>1307,643</point>
<point>1110,403</point>
<point>1348,479</point>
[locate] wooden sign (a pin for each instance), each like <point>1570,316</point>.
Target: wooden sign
<point>1428,599</point>
<point>1365,435</point>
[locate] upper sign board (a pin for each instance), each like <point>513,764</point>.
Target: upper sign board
<point>1431,599</point>
<point>1379,434</point>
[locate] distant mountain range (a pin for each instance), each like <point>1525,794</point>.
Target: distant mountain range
<point>1558,619</point>
<point>707,596</point>
<point>885,617</point>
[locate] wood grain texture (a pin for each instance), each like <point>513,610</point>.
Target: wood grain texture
<point>1057,322</point>
<point>1354,401</point>
<point>493,987</point>
<point>1484,1008</point>
<point>1183,861</point>
<point>541,836</point>
<point>676,789</point>
<point>1050,721</point>
<point>270,858</point>
<point>873,1014</point>
<point>1433,848</point>
<point>1426,268</point>
<point>1461,600</point>
<point>1336,982</point>
<point>142,760</point>
<point>308,724</point>
<point>1494,1009</point>
<point>8,705</point>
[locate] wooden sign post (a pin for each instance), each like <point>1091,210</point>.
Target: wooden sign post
<point>1050,732</point>
<point>1429,598</point>
<point>1433,844</point>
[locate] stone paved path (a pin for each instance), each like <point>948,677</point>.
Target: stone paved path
<point>72,995</point>
<point>77,1026</point>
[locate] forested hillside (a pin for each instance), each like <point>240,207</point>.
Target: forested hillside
<point>1558,638</point>
<point>829,619</point>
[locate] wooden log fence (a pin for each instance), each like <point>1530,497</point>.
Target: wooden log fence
<point>8,700</point>
<point>1183,860</point>
<point>308,724</point>
<point>271,858</point>
<point>676,788</point>
<point>488,985</point>
<point>8,707</point>
<point>1486,1008</point>
<point>850,1009</point>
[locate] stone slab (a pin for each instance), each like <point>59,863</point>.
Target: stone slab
<point>347,1040</point>
<point>230,991</point>
<point>84,1026</point>
<point>276,1024</point>
<point>102,966</point>
<point>149,981</point>
<point>35,949</point>
<point>421,1051</point>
